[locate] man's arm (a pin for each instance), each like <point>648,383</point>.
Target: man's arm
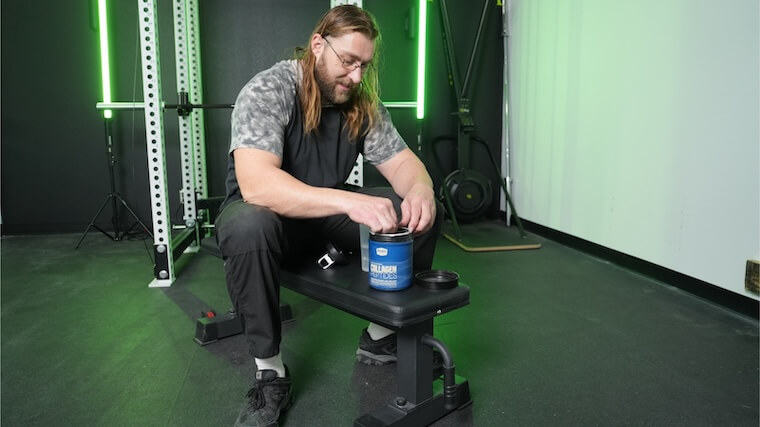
<point>411,181</point>
<point>262,182</point>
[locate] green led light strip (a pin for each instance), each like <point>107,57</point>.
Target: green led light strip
<point>105,68</point>
<point>422,42</point>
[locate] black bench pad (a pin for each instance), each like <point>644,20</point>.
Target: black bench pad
<point>346,287</point>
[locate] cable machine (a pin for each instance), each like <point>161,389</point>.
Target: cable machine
<point>192,139</point>
<point>166,247</point>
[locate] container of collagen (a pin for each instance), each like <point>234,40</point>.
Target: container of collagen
<point>390,260</point>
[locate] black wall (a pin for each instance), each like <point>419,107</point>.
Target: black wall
<point>54,164</point>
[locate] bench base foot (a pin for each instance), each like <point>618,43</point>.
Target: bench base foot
<point>399,413</point>
<point>209,330</point>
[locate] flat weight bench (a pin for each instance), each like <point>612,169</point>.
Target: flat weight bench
<point>421,398</point>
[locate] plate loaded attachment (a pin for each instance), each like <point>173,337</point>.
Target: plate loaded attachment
<point>437,279</point>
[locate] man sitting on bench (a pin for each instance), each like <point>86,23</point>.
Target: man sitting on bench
<point>297,130</point>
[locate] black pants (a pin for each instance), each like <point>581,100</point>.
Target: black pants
<point>255,242</point>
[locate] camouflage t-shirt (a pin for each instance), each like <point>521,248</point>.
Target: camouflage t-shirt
<point>267,116</point>
<point>266,104</point>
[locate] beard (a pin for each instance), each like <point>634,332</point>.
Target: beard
<point>329,88</point>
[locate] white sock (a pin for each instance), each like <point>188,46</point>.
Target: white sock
<point>377,332</point>
<point>274,363</point>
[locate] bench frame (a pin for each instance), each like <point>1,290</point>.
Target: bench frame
<point>410,313</point>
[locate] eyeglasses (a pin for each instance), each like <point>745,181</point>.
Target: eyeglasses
<point>348,65</point>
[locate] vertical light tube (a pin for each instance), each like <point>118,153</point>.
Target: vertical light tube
<point>105,68</point>
<point>421,54</point>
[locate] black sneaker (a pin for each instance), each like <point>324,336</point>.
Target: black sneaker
<point>380,352</point>
<point>383,352</point>
<point>267,399</point>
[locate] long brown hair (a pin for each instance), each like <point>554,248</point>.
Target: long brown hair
<point>362,107</point>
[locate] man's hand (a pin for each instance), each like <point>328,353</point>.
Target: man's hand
<point>418,209</point>
<point>411,182</point>
<point>377,213</point>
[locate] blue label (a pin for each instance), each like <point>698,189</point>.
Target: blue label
<point>390,265</point>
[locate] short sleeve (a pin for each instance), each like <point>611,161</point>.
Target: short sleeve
<point>263,108</point>
<point>382,141</point>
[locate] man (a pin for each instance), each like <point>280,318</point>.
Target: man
<point>297,129</point>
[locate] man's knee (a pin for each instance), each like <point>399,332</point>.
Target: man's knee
<point>242,227</point>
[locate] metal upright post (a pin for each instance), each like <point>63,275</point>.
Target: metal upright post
<point>505,115</point>
<point>154,131</point>
<point>196,96</point>
<point>334,3</point>
<point>184,71</point>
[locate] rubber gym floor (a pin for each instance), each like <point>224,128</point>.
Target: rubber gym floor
<point>551,337</point>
